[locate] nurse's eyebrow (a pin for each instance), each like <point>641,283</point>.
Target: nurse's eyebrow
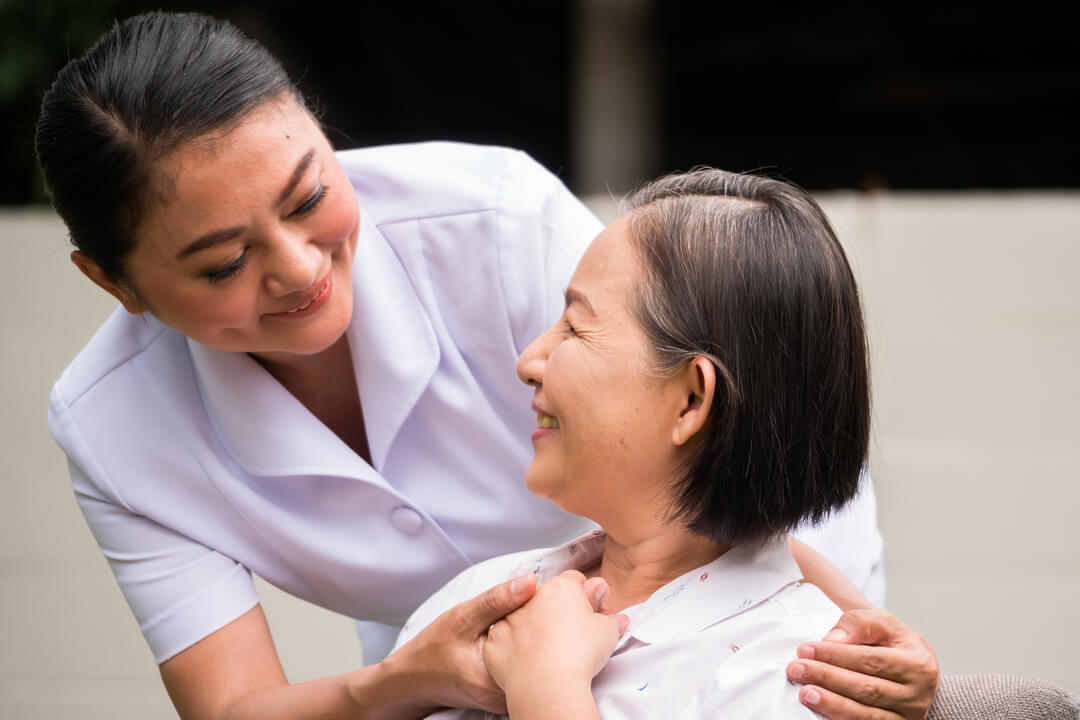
<point>298,173</point>
<point>573,296</point>
<point>210,240</point>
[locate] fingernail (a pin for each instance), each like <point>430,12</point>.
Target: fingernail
<point>797,671</point>
<point>806,652</point>
<point>811,697</point>
<point>517,584</point>
<point>836,635</point>
<point>602,595</point>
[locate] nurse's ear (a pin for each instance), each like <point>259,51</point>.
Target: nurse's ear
<point>698,383</point>
<point>119,290</point>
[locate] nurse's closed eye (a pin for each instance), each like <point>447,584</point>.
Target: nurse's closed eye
<point>229,270</point>
<point>312,202</point>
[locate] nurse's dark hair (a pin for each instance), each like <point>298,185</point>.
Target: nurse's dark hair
<point>747,272</point>
<point>148,85</point>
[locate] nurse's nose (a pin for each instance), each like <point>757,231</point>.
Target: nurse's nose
<point>293,263</point>
<point>531,362</point>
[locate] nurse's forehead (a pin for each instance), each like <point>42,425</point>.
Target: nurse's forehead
<point>268,140</point>
<point>215,237</point>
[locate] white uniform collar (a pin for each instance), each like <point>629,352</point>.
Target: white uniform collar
<point>738,580</point>
<point>394,348</point>
<point>395,353</point>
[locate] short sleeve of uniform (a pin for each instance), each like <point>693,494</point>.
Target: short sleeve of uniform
<point>179,590</point>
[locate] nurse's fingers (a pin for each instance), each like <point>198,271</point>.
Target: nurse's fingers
<point>874,626</point>
<point>901,665</point>
<point>873,694</point>
<point>838,707</point>
<point>493,605</point>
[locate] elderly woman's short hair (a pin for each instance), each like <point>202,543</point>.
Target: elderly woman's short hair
<point>747,271</point>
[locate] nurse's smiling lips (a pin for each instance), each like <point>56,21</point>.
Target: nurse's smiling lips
<point>312,302</point>
<point>545,424</point>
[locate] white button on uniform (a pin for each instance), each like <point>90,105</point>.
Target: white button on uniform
<point>406,519</point>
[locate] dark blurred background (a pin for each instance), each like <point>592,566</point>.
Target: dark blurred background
<point>607,93</point>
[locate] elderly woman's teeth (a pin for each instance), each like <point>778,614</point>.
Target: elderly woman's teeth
<point>547,422</point>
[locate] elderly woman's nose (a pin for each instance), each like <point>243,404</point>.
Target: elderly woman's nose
<point>293,264</point>
<point>531,362</point>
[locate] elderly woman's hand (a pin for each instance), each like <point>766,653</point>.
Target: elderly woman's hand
<point>547,652</point>
<point>870,665</point>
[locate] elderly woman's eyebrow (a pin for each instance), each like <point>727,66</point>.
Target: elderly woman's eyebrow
<point>575,296</point>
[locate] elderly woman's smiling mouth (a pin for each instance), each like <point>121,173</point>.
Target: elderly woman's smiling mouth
<point>545,422</point>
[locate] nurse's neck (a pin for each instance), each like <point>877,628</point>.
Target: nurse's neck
<point>638,561</point>
<point>325,384</point>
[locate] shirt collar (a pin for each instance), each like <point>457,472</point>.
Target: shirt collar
<point>580,553</point>
<point>738,580</point>
<point>394,348</point>
<point>270,433</point>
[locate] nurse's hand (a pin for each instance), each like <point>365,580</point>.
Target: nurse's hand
<point>444,664</point>
<point>545,655</point>
<point>870,665</point>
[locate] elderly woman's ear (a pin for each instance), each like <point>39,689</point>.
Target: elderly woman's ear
<point>698,384</point>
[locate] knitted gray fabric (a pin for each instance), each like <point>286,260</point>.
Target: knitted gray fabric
<point>1002,697</point>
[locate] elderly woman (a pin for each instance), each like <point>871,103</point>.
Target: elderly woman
<point>705,392</point>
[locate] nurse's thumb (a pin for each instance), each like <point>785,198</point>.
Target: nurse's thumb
<point>495,604</point>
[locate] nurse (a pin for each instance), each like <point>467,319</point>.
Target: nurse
<point>311,377</point>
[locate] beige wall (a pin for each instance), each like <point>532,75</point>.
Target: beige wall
<point>975,319</point>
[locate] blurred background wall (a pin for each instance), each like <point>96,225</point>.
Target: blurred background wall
<point>942,144</point>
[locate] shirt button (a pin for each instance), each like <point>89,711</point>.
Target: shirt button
<point>406,519</point>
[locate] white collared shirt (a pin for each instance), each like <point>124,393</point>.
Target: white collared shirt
<point>712,643</point>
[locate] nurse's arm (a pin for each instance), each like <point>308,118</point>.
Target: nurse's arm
<point>818,571</point>
<point>235,673</point>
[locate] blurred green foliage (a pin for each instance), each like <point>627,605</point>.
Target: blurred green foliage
<point>37,38</point>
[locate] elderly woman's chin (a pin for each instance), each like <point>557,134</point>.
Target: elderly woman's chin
<point>570,494</point>
<point>541,483</point>
<point>548,484</point>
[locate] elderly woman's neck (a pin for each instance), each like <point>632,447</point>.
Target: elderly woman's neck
<point>638,564</point>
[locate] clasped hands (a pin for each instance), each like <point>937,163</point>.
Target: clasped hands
<point>869,666</point>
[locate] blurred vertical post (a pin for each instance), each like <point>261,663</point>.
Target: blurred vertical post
<point>615,129</point>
